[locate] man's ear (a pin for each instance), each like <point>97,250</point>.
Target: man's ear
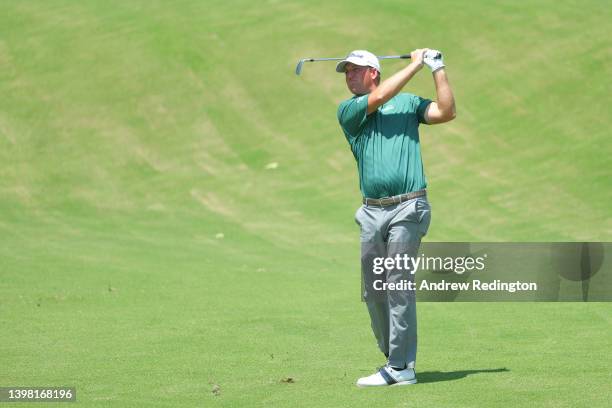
<point>375,75</point>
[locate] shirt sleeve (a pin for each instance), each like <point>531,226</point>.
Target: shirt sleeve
<point>352,114</point>
<point>421,107</point>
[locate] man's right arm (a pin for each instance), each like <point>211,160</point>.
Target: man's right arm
<point>394,84</point>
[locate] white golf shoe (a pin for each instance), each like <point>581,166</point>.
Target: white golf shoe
<point>386,376</point>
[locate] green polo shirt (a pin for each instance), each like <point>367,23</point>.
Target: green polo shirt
<point>385,143</point>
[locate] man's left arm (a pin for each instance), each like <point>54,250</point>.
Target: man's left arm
<point>443,109</point>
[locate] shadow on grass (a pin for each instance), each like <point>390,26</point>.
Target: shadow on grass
<point>437,376</point>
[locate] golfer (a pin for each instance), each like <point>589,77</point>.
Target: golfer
<point>381,126</point>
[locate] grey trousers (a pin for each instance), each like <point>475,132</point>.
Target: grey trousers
<point>385,233</point>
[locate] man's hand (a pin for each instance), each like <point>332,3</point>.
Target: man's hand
<point>417,56</point>
<point>431,61</point>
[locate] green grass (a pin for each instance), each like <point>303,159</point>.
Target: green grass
<point>133,133</point>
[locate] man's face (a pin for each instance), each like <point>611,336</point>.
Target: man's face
<point>360,80</point>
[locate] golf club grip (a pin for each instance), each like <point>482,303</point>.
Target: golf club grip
<point>405,56</point>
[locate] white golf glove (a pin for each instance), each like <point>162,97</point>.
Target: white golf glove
<point>433,59</point>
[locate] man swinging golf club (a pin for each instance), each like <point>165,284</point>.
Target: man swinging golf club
<point>381,126</point>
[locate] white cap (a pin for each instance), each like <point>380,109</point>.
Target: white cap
<point>359,57</point>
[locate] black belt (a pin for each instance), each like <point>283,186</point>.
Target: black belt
<point>387,201</point>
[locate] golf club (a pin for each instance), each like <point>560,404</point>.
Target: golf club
<point>298,68</point>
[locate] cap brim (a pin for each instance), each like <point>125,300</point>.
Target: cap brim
<point>341,66</point>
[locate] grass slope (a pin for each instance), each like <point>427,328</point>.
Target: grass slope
<point>147,254</point>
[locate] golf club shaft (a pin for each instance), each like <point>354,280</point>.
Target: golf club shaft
<point>403,56</point>
<point>298,69</point>
<point>340,59</point>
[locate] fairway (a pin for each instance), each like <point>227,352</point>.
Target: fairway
<point>176,205</point>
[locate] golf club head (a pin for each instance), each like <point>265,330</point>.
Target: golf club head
<point>298,69</point>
